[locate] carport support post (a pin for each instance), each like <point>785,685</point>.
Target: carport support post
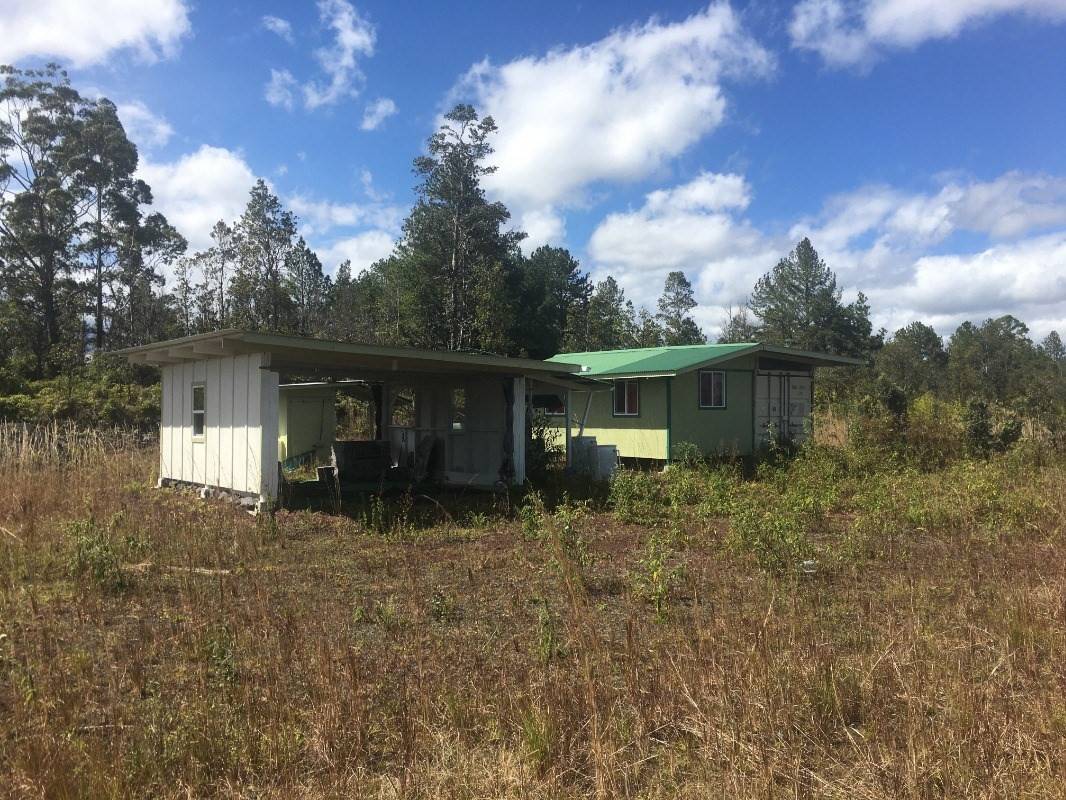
<point>518,431</point>
<point>566,417</point>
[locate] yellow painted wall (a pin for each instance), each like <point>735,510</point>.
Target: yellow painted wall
<point>642,436</point>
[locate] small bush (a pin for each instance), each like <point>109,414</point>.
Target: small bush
<point>636,496</point>
<point>93,556</point>
<point>444,608</point>
<point>774,536</point>
<point>656,576</point>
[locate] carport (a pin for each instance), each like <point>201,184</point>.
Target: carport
<point>231,412</point>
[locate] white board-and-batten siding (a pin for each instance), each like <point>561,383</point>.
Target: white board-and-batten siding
<point>239,446</point>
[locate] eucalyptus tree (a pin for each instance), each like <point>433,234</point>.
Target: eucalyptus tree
<point>43,201</point>
<point>106,162</point>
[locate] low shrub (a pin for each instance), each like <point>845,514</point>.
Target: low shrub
<point>636,496</point>
<point>93,556</point>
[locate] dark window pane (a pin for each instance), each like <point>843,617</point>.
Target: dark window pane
<point>632,397</point>
<point>619,397</point>
<point>718,390</point>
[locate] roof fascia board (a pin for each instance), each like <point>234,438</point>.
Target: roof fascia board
<point>818,359</point>
<point>621,376</point>
<point>710,362</point>
<point>271,341</point>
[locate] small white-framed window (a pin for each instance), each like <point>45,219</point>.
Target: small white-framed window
<point>458,409</point>
<point>627,397</point>
<point>712,388</point>
<point>199,408</point>
<point>550,404</point>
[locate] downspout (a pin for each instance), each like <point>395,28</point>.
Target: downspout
<point>669,419</point>
<point>585,416</point>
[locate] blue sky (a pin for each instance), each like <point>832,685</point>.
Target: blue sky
<point>919,145</point>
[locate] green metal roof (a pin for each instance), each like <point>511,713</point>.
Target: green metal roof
<point>649,361</point>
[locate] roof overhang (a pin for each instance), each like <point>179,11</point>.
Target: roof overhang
<point>305,356</point>
<point>787,353</point>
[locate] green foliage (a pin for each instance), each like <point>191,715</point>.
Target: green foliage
<point>544,450</point>
<point>570,539</point>
<point>675,307</point>
<point>986,435</point>
<point>444,608</point>
<point>549,644</point>
<point>774,534</point>
<point>656,575</point>
<point>389,517</point>
<point>93,556</point>
<point>636,496</point>
<point>530,513</point>
<point>220,654</point>
<point>798,304</point>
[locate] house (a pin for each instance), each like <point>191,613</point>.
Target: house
<point>228,418</point>
<point>722,398</point>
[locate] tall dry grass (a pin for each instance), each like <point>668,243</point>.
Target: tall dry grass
<point>302,656</point>
<point>28,446</point>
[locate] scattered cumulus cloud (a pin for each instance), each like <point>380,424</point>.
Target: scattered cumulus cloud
<point>279,26</point>
<point>280,89</point>
<point>362,250</point>
<point>319,217</point>
<point>353,37</point>
<point>377,112</point>
<point>616,110</point>
<point>900,248</point>
<point>145,128</point>
<point>198,189</point>
<point>855,32</point>
<point>86,33</point>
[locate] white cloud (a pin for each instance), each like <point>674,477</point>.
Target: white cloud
<point>542,226</point>
<point>855,32</point>
<point>615,110</point>
<point>1014,204</point>
<point>199,189</point>
<point>319,217</point>
<point>694,228</point>
<point>901,248</point>
<point>362,250</point>
<point>279,26</point>
<point>279,90</point>
<point>144,128</point>
<point>353,37</point>
<point>86,33</point>
<point>377,112</point>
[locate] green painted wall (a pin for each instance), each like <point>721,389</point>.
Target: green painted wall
<point>307,420</point>
<point>645,436</point>
<point>714,430</point>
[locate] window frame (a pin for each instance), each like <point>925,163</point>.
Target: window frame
<point>699,390</point>
<point>457,411</point>
<point>614,395</point>
<point>199,412</point>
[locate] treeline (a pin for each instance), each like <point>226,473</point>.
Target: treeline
<point>457,279</point>
<point>83,261</point>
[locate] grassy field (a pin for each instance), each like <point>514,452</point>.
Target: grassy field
<point>840,625</point>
